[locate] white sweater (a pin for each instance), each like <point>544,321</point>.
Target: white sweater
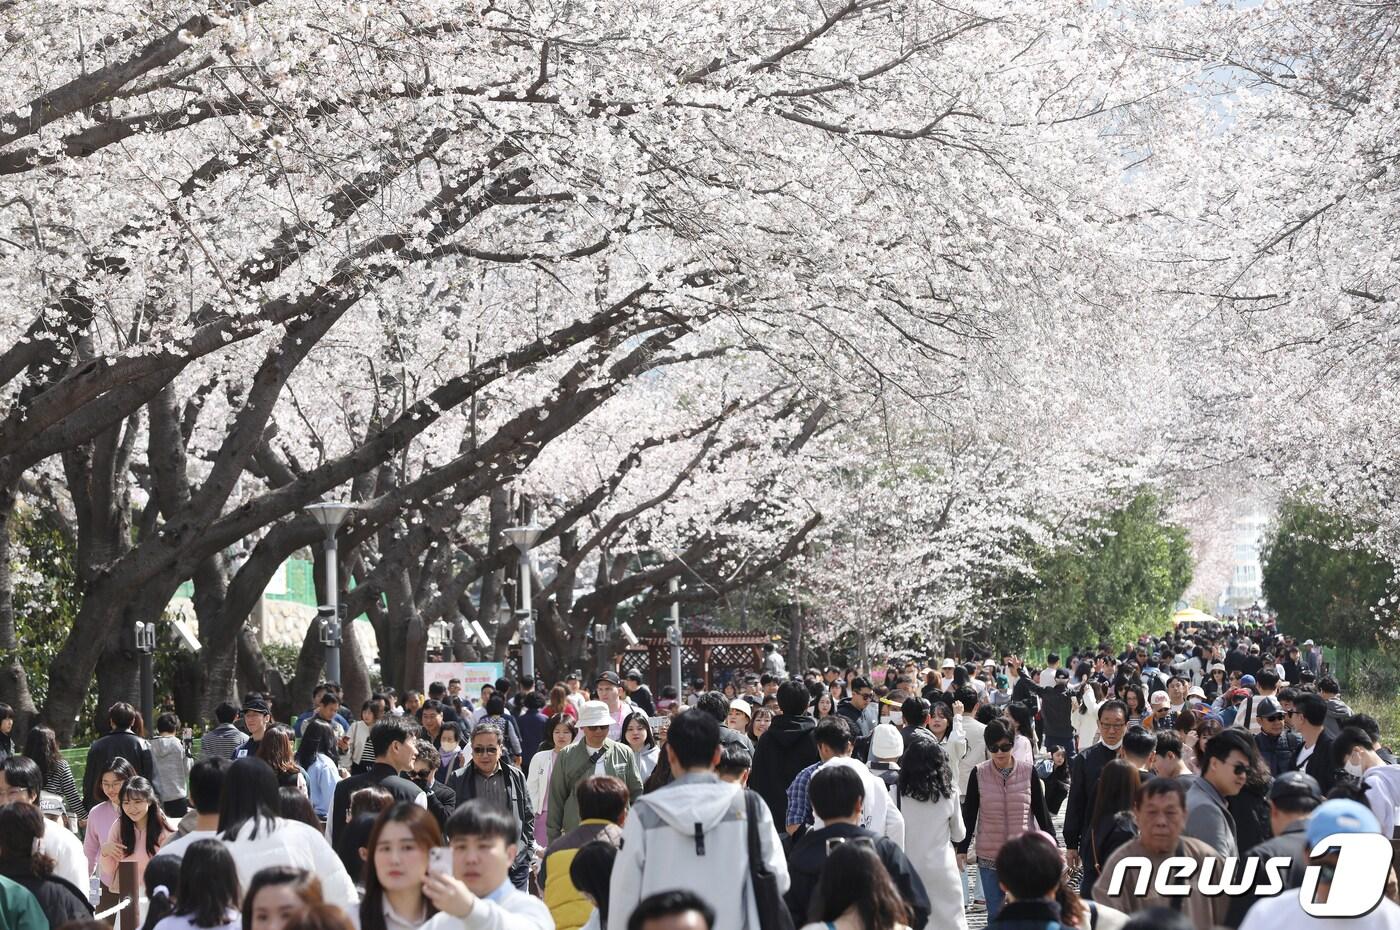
<point>292,843</point>
<point>512,909</point>
<point>66,851</point>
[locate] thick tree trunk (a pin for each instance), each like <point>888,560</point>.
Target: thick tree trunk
<point>14,685</point>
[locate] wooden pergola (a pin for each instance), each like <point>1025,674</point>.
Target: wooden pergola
<point>703,656</point>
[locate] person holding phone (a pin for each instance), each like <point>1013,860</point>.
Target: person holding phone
<point>401,849</point>
<point>479,889</point>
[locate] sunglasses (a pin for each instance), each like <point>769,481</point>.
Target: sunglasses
<point>1000,747</point>
<point>1240,768</point>
<point>485,750</point>
<point>1273,718</point>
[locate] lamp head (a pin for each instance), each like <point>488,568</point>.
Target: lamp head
<point>523,537</point>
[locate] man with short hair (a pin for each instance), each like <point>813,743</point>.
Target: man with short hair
<point>441,799</point>
<point>257,717</point>
<point>1309,718</point>
<point>20,783</point>
<point>120,741</point>
<point>672,910</point>
<point>852,708</point>
<point>206,791</point>
<point>1225,764</point>
<point>595,754</point>
<point>1167,761</point>
<point>479,894</point>
<point>838,795</point>
<point>1085,769</point>
<point>721,709</point>
<point>394,752</point>
<point>785,750</point>
<point>608,689</point>
<point>574,683</point>
<point>1278,747</point>
<point>602,807</point>
<point>834,747</point>
<point>638,693</point>
<point>1028,869</point>
<point>1285,911</point>
<point>1355,752</point>
<point>696,827</point>
<point>491,778</point>
<point>1160,811</point>
<point>1337,709</point>
<point>224,738</point>
<point>1293,796</point>
<point>773,662</point>
<point>1139,747</point>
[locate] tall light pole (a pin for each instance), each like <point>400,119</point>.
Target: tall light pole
<point>330,514</point>
<point>674,635</point>
<point>146,648</point>
<point>524,538</point>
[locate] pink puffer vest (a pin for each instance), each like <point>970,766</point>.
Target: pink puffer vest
<point>1004,808</point>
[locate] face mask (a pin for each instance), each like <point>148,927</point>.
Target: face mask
<point>1113,746</point>
<point>1354,769</point>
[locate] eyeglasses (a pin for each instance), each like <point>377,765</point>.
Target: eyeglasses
<point>1290,713</point>
<point>1000,747</point>
<point>868,695</point>
<point>485,750</point>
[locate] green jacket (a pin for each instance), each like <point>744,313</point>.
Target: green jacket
<point>572,767</point>
<point>19,910</point>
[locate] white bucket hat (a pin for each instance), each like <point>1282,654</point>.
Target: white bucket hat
<point>595,714</point>
<point>887,742</point>
<point>740,704</point>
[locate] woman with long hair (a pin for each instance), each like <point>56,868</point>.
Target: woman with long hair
<point>637,734</point>
<point>397,866</point>
<point>209,893</point>
<point>1214,684</point>
<point>275,894</point>
<point>762,720</point>
<point>22,861</point>
<point>591,872</point>
<point>257,837</point>
<point>315,759</point>
<point>946,725</point>
<point>559,703</point>
<point>1136,702</point>
<point>137,835</point>
<point>41,745</point>
<point>275,748</point>
<point>1021,719</point>
<point>559,733</point>
<point>108,809</point>
<point>856,893</point>
<point>1111,824</point>
<point>926,795</point>
<point>824,706</point>
<point>361,754</point>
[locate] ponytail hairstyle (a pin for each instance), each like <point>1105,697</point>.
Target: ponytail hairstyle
<point>208,884</point>
<point>156,826</point>
<point>162,878</point>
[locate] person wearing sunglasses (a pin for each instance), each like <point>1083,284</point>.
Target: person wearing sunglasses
<point>1278,746</point>
<point>491,778</point>
<point>1225,764</point>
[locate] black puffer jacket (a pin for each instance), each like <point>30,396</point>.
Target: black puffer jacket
<point>783,751</point>
<point>57,897</point>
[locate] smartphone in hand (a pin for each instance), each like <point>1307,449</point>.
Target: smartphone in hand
<point>440,860</point>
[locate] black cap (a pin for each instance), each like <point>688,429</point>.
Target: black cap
<point>1062,673</point>
<point>634,674</point>
<point>575,674</point>
<point>609,677</point>
<point>1295,786</point>
<point>256,705</point>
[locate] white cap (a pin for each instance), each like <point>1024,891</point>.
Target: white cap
<point>886,742</point>
<point>595,714</point>
<point>948,663</point>
<point>1196,691</point>
<point>742,705</point>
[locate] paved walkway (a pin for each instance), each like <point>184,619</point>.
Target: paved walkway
<point>977,915</point>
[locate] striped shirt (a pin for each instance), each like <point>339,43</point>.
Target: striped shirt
<point>60,781</point>
<point>221,742</point>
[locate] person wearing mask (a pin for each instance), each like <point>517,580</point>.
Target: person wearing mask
<point>785,750</point>
<point>394,751</point>
<point>1085,768</point>
<point>1030,869</point>
<point>1278,747</point>
<point>396,867</point>
<point>442,800</point>
<point>856,890</point>
<point>479,895</point>
<point>835,747</point>
<point>1225,765</point>
<point>1293,796</point>
<point>926,796</point>
<point>490,778</point>
<point>1112,823</point>
<point>257,717</point>
<point>121,742</point>
<point>1309,718</point>
<point>602,803</point>
<point>206,790</point>
<point>1004,798</point>
<point>23,861</point>
<point>1355,752</point>
<point>1160,812</point>
<point>595,754</point>
<point>699,827</point>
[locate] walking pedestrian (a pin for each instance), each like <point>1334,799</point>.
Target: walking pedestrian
<point>120,743</point>
<point>926,796</point>
<point>595,754</point>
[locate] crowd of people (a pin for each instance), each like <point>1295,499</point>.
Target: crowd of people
<point>831,799</point>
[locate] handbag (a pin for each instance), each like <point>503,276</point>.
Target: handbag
<point>773,913</point>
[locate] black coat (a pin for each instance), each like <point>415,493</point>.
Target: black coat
<point>380,774</point>
<point>126,745</point>
<point>782,752</point>
<point>442,801</point>
<point>1084,772</point>
<point>809,856</point>
<point>464,787</point>
<point>57,897</point>
<point>1320,764</point>
<point>857,720</point>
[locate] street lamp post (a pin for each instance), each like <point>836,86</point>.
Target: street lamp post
<point>146,648</point>
<point>330,514</point>
<point>524,538</point>
<point>674,635</point>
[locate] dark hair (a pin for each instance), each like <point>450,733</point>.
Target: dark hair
<point>293,804</point>
<point>424,828</point>
<point>1114,704</point>
<point>1349,739</point>
<point>41,745</point>
<point>995,732</point>
<point>317,738</point>
<point>1225,742</point>
<point>275,748</point>
<point>1138,743</point>
<point>834,791</point>
<point>155,825</point>
<point>715,704</point>
<point>371,799</point>
<point>602,797</point>
<point>1312,707</point>
<point>793,698</point>
<point>923,771</point>
<point>1266,679</point>
<point>693,738</point>
<point>668,903</point>
<point>1029,866</point>
<point>167,723</point>
<point>122,716</point>
<point>591,872</point>
<point>1159,918</point>
<point>1154,787</point>
<point>208,884</point>
<point>854,877</point>
<point>21,825</point>
<point>1365,722</point>
<point>967,696</point>
<point>207,783</point>
<point>160,871</point>
<point>1328,685</point>
<point>495,705</point>
<point>1023,716</point>
<point>641,718</point>
<point>385,733</point>
<point>226,712</point>
<point>306,886</point>
<point>554,723</point>
<point>915,711</point>
<point>1168,742</point>
<point>860,683</point>
<point>23,772</point>
<point>118,767</point>
<point>1118,785</point>
<point>734,760</point>
<point>833,732</point>
<point>249,794</point>
<point>478,818</point>
<point>375,706</point>
<point>431,704</point>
